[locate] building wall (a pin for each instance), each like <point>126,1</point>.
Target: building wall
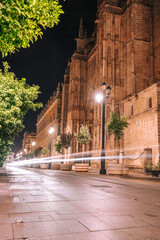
<point>28,139</point>
<point>50,116</point>
<point>156,38</point>
<point>124,52</point>
<point>121,56</point>
<point>142,113</point>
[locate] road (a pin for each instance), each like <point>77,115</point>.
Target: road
<point>54,205</point>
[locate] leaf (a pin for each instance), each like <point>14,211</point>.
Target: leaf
<point>22,22</point>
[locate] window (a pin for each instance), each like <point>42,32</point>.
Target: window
<point>150,102</point>
<point>132,110</point>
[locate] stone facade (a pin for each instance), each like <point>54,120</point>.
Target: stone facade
<point>50,116</point>
<point>28,139</point>
<point>142,113</point>
<point>124,52</point>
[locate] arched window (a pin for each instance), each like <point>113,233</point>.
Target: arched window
<point>117,72</point>
<point>109,66</point>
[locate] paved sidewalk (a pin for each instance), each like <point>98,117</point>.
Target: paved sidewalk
<point>53,205</point>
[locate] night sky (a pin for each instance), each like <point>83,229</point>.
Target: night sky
<point>45,61</point>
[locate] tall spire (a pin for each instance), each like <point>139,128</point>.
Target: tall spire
<point>81,29</point>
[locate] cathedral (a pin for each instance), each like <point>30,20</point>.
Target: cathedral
<point>123,52</point>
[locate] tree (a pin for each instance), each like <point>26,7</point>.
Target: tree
<point>37,151</point>
<point>58,146</point>
<point>116,126</point>
<point>66,140</point>
<point>44,151</point>
<point>23,21</point>
<point>16,99</point>
<point>83,136</point>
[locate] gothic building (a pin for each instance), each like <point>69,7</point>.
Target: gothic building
<point>124,52</point>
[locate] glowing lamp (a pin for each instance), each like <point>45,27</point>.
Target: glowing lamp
<point>51,130</point>
<point>99,97</point>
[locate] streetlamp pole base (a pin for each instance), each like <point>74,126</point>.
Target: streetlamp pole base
<point>102,171</point>
<point>49,166</point>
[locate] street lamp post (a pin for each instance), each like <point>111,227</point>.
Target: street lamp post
<point>51,131</point>
<point>25,152</point>
<point>33,145</point>
<point>101,98</point>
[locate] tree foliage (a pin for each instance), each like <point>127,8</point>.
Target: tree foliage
<point>66,140</point>
<point>23,21</point>
<point>44,151</point>
<point>116,126</point>
<point>37,151</point>
<point>58,146</point>
<point>84,135</point>
<point>16,99</point>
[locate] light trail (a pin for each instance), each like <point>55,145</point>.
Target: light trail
<point>140,148</point>
<point>59,160</point>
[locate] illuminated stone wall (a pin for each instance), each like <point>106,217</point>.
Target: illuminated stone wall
<point>142,113</point>
<point>49,116</point>
<point>124,52</point>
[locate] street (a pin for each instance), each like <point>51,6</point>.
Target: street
<point>40,204</point>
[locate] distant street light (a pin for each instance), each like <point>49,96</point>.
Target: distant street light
<point>25,152</point>
<point>33,145</point>
<point>101,98</point>
<point>51,131</point>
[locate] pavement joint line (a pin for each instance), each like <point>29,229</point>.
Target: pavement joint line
<point>83,225</point>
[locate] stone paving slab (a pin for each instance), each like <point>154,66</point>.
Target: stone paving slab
<point>4,219</point>
<point>6,232</point>
<point>40,229</point>
<point>30,217</point>
<point>79,236</point>
<point>59,207</point>
<point>14,208</point>
<point>26,193</point>
<point>149,233</point>
<point>44,198</point>
<point>94,223</point>
<point>9,199</point>
<point>70,206</point>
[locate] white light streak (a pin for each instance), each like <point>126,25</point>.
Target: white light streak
<point>54,159</point>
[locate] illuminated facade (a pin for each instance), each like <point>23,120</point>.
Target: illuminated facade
<point>28,140</point>
<point>50,116</point>
<point>123,51</point>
